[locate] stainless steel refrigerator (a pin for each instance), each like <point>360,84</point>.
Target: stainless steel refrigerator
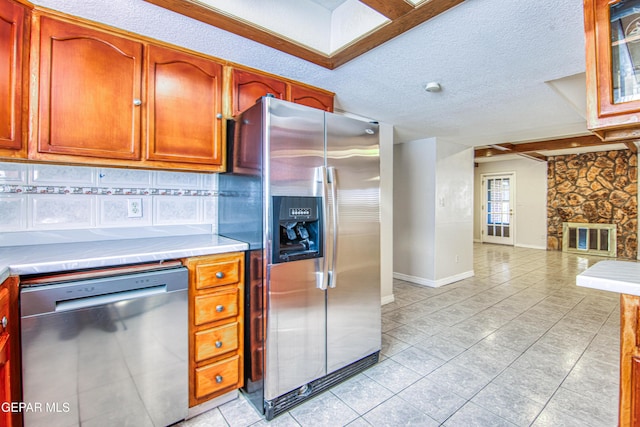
<point>303,191</point>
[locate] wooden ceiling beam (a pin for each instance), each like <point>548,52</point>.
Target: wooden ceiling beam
<point>534,156</point>
<point>631,145</point>
<point>392,9</point>
<point>405,21</point>
<point>503,147</point>
<point>245,29</point>
<point>534,147</point>
<point>417,16</point>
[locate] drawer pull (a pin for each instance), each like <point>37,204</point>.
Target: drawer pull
<point>219,274</point>
<point>218,344</point>
<point>220,308</point>
<point>219,379</point>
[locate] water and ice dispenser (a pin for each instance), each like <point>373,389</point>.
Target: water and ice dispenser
<point>297,228</point>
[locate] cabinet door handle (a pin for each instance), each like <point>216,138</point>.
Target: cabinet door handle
<point>219,116</point>
<point>5,322</point>
<point>137,102</point>
<point>219,379</point>
<point>219,274</point>
<point>218,344</point>
<point>220,308</point>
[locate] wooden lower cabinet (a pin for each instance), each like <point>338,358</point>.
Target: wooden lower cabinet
<point>629,410</point>
<point>9,351</point>
<point>216,329</point>
<point>215,377</point>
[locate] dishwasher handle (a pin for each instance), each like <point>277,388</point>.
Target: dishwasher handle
<point>93,301</point>
<point>41,300</point>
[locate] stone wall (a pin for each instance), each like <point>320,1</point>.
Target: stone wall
<point>598,187</point>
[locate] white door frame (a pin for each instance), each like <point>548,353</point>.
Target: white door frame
<point>486,236</point>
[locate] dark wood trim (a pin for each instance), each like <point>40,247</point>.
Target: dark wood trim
<point>393,29</point>
<point>242,28</point>
<point>632,146</point>
<point>392,9</point>
<point>406,21</point>
<point>532,148</point>
<point>534,156</point>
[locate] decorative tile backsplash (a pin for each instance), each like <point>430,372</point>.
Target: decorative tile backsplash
<point>51,197</point>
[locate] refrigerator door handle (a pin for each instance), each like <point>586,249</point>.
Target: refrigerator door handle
<point>321,177</point>
<point>334,241</point>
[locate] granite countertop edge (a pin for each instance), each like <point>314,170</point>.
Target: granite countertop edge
<point>59,257</point>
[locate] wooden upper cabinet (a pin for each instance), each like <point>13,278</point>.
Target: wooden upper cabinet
<point>90,92</point>
<point>13,78</point>
<point>311,97</point>
<point>184,107</point>
<point>248,87</point>
<point>613,68</point>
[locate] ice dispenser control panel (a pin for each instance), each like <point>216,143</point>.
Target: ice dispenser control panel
<point>297,228</point>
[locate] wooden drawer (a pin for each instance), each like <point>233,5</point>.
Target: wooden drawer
<point>224,272</point>
<point>216,341</point>
<point>215,306</point>
<point>217,376</point>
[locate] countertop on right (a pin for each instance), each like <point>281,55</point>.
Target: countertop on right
<point>614,276</point>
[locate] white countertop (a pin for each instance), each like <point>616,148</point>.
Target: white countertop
<point>32,259</point>
<point>615,276</point>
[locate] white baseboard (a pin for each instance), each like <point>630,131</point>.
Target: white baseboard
<point>520,245</point>
<point>388,299</point>
<point>433,283</point>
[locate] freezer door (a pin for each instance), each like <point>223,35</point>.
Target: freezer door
<point>353,241</point>
<point>295,148</point>
<point>295,347</point>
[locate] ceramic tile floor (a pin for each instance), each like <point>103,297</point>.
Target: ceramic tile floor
<point>518,344</point>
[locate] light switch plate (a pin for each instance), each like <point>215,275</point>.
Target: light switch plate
<point>134,208</point>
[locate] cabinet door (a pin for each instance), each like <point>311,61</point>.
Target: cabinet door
<point>184,107</point>
<point>12,33</point>
<point>312,98</point>
<point>90,83</point>
<point>612,68</point>
<point>249,87</point>
<point>5,358</point>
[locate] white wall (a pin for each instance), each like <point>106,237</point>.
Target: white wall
<point>433,219</point>
<point>386,213</point>
<point>454,212</point>
<point>530,212</point>
<point>414,214</point>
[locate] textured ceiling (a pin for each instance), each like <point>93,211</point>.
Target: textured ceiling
<point>492,58</point>
<point>328,4</point>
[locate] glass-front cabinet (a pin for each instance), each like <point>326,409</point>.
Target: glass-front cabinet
<point>612,29</point>
<point>624,18</point>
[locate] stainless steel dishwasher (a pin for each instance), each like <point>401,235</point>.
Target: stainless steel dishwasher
<point>105,348</point>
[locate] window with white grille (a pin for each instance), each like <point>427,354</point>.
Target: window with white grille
<point>593,239</point>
